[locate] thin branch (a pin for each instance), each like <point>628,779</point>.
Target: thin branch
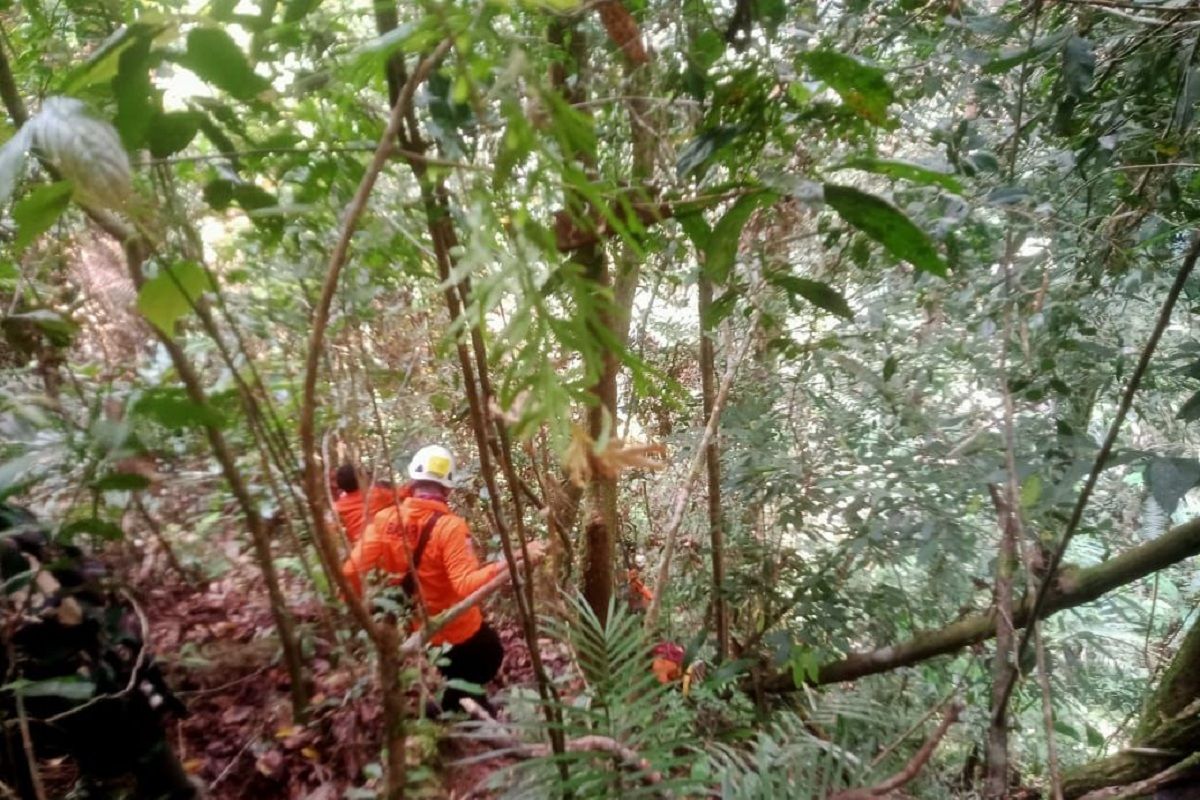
<point>629,758</point>
<point>891,748</point>
<point>1135,380</point>
<point>684,492</point>
<point>1146,786</point>
<point>138,664</point>
<point>419,639</point>
<point>911,769</point>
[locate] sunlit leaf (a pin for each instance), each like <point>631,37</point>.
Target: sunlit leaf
<point>169,296</point>
<point>66,688</point>
<point>35,213</point>
<point>103,63</point>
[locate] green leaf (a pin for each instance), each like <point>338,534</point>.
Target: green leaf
<point>1013,58</point>
<point>1031,491</point>
<point>68,688</point>
<point>105,61</point>
<point>16,473</point>
<point>887,225</point>
<point>134,93</point>
<point>1191,409</point>
<point>121,482</point>
<point>895,168</point>
<point>821,295</point>
<point>707,48</point>
<point>1067,730</point>
<point>214,56</point>
<point>37,211</point>
<point>699,152</point>
<point>805,663</point>
<point>696,228</point>
<point>168,296</point>
<point>171,408</point>
<point>171,132</point>
<point>60,330</point>
<point>95,526</point>
<point>721,308</point>
<point>296,10</point>
<point>721,252</point>
<point>1169,479</point>
<point>861,86</point>
<point>889,368</point>
<point>1094,737</point>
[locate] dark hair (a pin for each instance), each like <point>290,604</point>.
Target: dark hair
<point>347,478</point>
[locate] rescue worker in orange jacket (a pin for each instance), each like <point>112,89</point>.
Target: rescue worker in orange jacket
<point>447,568</point>
<point>353,509</point>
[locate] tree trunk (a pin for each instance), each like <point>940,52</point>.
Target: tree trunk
<point>996,783</point>
<point>1073,587</point>
<point>393,704</point>
<point>1169,729</point>
<point>601,522</point>
<point>712,455</point>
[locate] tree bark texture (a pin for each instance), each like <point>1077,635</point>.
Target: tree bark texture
<point>712,456</point>
<point>996,782</point>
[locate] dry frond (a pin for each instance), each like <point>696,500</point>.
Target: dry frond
<point>511,415</point>
<point>582,462</point>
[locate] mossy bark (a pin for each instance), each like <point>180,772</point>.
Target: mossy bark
<point>1167,732</point>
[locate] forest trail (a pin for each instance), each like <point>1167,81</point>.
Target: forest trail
<point>217,644</point>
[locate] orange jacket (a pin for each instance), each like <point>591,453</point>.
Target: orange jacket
<point>349,507</point>
<point>449,569</point>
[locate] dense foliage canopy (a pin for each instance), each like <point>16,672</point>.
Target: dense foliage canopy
<point>902,288</point>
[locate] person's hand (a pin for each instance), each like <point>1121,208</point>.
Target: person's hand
<point>537,551</point>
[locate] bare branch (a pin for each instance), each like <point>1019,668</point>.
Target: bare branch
<point>684,492</point>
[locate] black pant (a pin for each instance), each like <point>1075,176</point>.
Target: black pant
<point>477,660</point>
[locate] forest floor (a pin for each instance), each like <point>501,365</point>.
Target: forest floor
<point>217,646</point>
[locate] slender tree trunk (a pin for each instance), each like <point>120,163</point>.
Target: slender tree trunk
<point>712,457</point>
<point>393,702</point>
<point>254,521</point>
<point>601,523</point>
<point>996,781</point>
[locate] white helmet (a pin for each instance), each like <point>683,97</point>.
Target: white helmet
<point>433,463</point>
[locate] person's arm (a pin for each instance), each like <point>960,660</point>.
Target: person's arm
<point>462,565</point>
